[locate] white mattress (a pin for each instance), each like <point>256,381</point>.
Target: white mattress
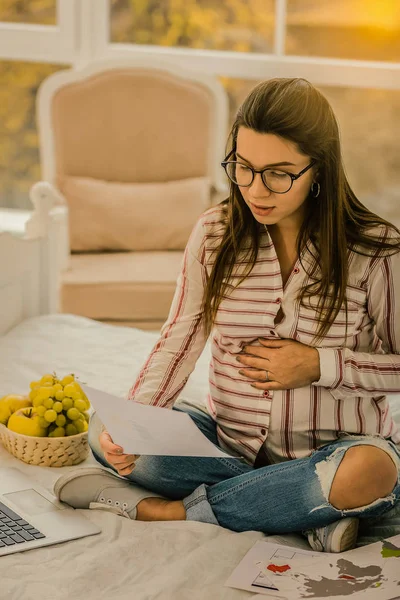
<point>177,560</point>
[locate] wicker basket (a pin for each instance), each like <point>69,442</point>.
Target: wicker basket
<point>46,451</point>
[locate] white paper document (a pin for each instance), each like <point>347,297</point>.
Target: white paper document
<point>142,429</point>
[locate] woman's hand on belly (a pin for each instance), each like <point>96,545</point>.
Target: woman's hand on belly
<point>289,364</point>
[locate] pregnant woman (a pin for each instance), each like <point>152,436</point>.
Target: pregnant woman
<point>298,286</point>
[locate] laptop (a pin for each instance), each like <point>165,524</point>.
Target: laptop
<point>31,517</point>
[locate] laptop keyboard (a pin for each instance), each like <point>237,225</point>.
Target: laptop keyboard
<point>14,529</point>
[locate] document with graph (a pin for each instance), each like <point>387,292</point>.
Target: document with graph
<point>370,572</point>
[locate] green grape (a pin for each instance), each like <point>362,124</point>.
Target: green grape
<point>47,379</point>
<point>71,429</point>
<point>40,410</point>
<point>37,401</point>
<point>69,389</point>
<point>57,387</point>
<point>33,393</point>
<point>86,399</point>
<point>81,425</point>
<point>73,414</point>
<point>43,393</point>
<point>87,416</point>
<point>67,379</point>
<point>67,403</point>
<point>80,404</point>
<point>42,422</point>
<point>59,432</point>
<point>59,395</point>
<point>57,406</point>
<point>61,420</point>
<point>48,403</point>
<point>50,416</point>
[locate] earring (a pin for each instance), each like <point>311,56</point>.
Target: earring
<point>315,194</point>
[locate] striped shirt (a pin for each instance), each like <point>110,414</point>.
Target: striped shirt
<point>357,369</point>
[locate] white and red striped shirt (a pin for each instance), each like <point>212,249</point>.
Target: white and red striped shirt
<point>357,371</point>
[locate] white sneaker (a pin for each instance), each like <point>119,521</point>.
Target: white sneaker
<point>93,487</point>
<point>336,537</point>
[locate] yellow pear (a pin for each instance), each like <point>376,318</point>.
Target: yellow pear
<point>11,403</point>
<point>15,402</point>
<point>26,422</point>
<point>5,413</point>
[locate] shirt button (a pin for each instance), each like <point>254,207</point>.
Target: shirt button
<point>296,270</point>
<point>263,431</point>
<point>278,300</point>
<point>266,394</point>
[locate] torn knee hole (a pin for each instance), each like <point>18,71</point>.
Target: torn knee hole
<point>360,477</point>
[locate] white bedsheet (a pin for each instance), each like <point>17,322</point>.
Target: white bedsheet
<point>133,560</point>
<point>129,560</point>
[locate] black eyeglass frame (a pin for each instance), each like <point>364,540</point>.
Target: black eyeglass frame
<point>225,163</point>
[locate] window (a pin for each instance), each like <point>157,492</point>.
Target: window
<point>232,39</point>
<point>349,29</point>
<point>19,154</point>
<point>239,25</point>
<point>39,12</point>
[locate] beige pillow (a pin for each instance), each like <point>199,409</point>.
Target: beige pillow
<point>133,216</point>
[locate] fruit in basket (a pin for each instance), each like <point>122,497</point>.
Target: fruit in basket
<point>60,405</point>
<point>26,422</point>
<point>10,403</point>
<point>71,429</point>
<point>57,432</point>
<point>5,413</point>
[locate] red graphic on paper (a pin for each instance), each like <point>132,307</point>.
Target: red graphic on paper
<point>346,577</point>
<point>278,568</point>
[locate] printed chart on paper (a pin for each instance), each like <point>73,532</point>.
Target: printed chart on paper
<point>371,572</point>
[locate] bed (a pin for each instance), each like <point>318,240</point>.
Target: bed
<point>130,559</point>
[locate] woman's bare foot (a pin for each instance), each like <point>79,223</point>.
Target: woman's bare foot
<point>159,509</point>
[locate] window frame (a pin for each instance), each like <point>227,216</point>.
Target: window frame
<point>43,43</point>
<point>82,35</point>
<point>255,66</point>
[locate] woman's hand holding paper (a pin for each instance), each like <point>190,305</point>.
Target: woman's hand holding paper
<point>114,454</point>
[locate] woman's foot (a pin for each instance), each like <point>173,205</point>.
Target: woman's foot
<point>159,509</point>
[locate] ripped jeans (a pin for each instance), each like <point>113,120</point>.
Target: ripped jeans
<point>279,498</point>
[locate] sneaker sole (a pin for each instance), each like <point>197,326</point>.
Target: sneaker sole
<point>345,535</point>
<point>349,538</point>
<point>64,479</point>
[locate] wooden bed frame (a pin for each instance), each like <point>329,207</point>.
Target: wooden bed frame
<point>30,265</point>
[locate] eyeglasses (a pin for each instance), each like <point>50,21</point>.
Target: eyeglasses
<point>276,181</point>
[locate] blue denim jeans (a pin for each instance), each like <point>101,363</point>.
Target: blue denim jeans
<point>278,498</point>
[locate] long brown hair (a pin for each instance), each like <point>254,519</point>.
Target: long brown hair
<point>336,222</point>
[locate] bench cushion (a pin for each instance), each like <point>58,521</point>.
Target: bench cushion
<point>128,286</point>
